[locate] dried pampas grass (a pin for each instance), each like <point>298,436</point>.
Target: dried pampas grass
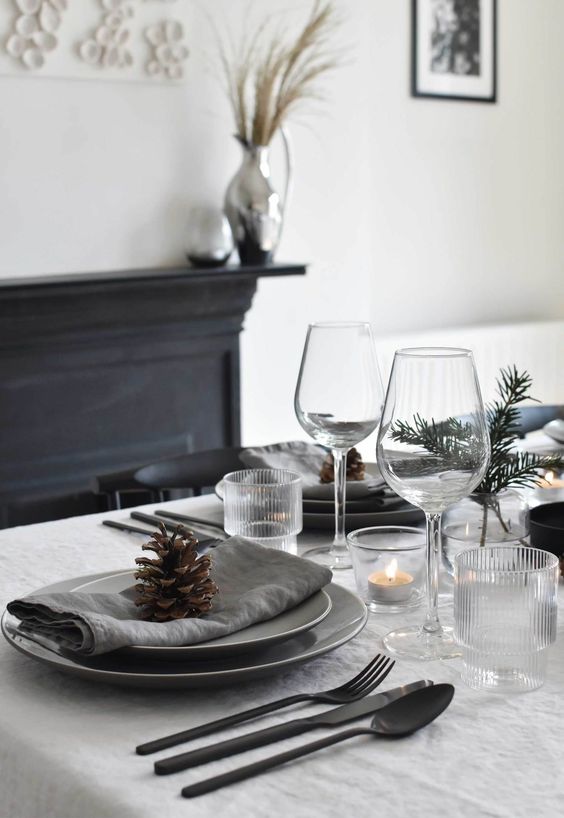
<point>268,76</point>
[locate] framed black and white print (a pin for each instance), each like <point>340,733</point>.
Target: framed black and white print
<point>454,49</point>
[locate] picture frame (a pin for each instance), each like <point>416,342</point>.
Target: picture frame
<point>454,49</point>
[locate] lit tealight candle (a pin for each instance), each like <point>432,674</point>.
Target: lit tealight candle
<point>549,489</point>
<point>390,586</point>
<point>550,481</point>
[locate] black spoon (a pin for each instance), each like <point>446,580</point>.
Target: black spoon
<point>399,718</point>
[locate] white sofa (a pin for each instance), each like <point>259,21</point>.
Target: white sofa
<point>536,346</point>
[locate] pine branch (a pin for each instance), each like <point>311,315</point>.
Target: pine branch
<point>453,438</point>
<point>521,469</point>
<point>437,438</point>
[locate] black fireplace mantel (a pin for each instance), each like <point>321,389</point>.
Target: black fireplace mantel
<point>104,371</point>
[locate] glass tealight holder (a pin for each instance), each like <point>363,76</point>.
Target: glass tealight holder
<point>389,566</point>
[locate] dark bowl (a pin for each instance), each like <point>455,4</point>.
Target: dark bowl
<point>547,527</point>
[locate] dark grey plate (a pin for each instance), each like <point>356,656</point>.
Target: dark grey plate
<point>409,515</point>
<point>387,501</point>
<point>345,620</point>
<point>256,637</point>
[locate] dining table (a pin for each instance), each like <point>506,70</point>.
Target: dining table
<point>67,745</point>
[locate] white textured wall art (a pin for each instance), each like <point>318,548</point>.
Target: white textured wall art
<point>34,31</point>
<point>137,40</point>
<point>168,52</point>
<point>108,44</point>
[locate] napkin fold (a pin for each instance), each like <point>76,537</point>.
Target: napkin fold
<point>306,459</point>
<point>255,584</point>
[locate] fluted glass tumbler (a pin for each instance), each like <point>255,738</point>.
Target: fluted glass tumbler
<point>264,505</point>
<point>505,605</point>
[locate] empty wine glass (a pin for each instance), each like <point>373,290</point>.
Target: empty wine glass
<point>338,402</point>
<point>433,449</point>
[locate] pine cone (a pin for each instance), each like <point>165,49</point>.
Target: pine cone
<point>355,468</point>
<point>177,584</point>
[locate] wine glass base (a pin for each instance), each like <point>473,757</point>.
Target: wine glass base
<point>324,555</point>
<point>416,643</point>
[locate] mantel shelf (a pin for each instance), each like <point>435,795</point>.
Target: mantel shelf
<point>143,274</point>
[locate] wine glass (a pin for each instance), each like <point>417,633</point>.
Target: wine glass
<point>433,449</point>
<point>338,402</point>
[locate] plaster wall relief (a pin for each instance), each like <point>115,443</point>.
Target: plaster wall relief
<point>35,31</point>
<point>132,40</point>
<point>107,47</point>
<point>168,52</point>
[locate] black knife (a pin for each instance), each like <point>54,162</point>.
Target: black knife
<point>132,529</point>
<point>259,738</point>
<point>195,521</point>
<point>143,517</point>
<point>203,545</point>
<point>172,525</point>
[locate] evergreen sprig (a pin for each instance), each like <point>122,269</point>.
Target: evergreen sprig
<point>453,437</point>
<point>442,438</point>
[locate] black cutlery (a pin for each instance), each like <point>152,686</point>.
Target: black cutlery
<point>151,519</point>
<point>132,529</point>
<point>173,523</point>
<point>208,542</point>
<point>361,685</point>
<point>399,718</point>
<point>183,518</point>
<point>259,738</point>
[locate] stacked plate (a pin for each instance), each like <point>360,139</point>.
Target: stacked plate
<point>320,624</point>
<point>363,508</point>
<point>362,513</point>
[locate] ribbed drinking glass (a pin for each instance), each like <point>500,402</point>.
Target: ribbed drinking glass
<point>264,505</point>
<point>505,605</point>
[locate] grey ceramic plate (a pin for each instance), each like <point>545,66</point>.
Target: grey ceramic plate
<point>409,515</point>
<point>555,430</point>
<point>345,620</point>
<point>290,623</point>
<point>326,491</point>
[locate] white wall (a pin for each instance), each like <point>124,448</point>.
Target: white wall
<point>413,213</point>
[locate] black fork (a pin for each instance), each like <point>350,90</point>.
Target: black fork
<point>361,685</point>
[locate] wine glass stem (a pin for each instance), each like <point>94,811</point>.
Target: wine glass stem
<point>432,624</point>
<point>340,468</point>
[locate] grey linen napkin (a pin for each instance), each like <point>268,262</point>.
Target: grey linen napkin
<point>255,584</point>
<point>305,459</point>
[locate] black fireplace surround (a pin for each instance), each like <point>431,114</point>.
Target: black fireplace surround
<point>101,372</point>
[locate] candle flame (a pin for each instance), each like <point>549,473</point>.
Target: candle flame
<point>391,570</point>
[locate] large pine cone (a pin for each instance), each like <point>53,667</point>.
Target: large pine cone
<point>176,584</point>
<point>355,468</point>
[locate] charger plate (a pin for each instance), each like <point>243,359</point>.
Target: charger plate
<point>344,621</point>
<point>284,626</point>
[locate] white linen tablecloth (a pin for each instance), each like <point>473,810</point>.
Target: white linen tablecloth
<point>67,745</point>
